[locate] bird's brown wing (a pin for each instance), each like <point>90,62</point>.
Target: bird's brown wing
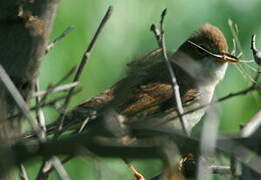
<point>146,98</point>
<point>147,88</point>
<point>145,91</point>
<point>154,97</point>
<point>142,102</point>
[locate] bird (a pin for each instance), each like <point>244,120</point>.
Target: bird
<point>146,93</point>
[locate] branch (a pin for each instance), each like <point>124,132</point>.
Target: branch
<point>19,100</point>
<point>60,37</point>
<point>84,59</point>
<point>160,36</point>
<point>230,95</point>
<point>57,89</point>
<point>111,147</point>
<point>256,53</point>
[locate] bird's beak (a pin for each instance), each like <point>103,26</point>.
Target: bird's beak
<point>226,57</point>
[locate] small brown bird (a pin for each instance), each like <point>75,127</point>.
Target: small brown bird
<point>146,92</point>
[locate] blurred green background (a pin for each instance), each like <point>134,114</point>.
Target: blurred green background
<point>126,37</point>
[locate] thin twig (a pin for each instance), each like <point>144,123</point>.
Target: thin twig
<point>208,143</point>
<point>84,59</point>
<point>222,170</point>
<point>51,87</point>
<point>227,57</point>
<point>42,175</point>
<point>234,29</point>
<point>235,167</point>
<point>54,160</point>
<point>175,87</point>
<point>23,107</point>
<point>49,103</point>
<point>56,89</point>
<point>9,85</point>
<point>156,32</point>
<point>61,36</point>
<point>60,169</point>
<point>247,77</point>
<point>234,50</point>
<point>230,95</point>
<point>22,172</point>
<point>251,67</point>
<point>52,163</point>
<point>257,56</point>
<point>252,126</point>
<point>51,168</point>
<point>39,113</point>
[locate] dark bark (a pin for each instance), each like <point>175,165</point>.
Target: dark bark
<point>24,29</point>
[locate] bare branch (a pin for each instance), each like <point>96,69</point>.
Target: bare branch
<point>39,113</point>
<point>208,143</point>
<point>61,36</point>
<point>54,160</point>
<point>84,59</point>
<point>49,169</point>
<point>60,169</point>
<point>51,87</point>
<point>252,126</point>
<point>45,104</point>
<point>19,100</point>
<point>23,174</point>
<point>56,89</point>
<point>230,95</point>
<point>222,170</point>
<point>175,87</point>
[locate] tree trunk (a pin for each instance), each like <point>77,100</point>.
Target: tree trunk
<point>25,26</point>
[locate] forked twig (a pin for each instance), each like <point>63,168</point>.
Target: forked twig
<point>61,117</point>
<point>52,87</point>
<point>51,168</point>
<point>23,107</point>
<point>45,104</point>
<point>60,169</point>
<point>235,32</point>
<point>41,123</point>
<point>160,36</point>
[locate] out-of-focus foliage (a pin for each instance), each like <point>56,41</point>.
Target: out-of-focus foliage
<point>126,37</point>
